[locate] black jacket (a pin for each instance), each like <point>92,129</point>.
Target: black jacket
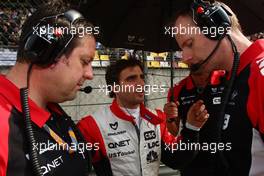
<point>14,152</point>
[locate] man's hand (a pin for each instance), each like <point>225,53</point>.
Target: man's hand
<point>173,121</point>
<point>197,114</point>
<point>171,109</point>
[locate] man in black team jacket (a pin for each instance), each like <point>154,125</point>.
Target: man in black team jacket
<point>234,135</point>
<point>56,63</point>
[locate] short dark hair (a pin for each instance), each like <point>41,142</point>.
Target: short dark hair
<point>115,68</point>
<point>51,8</point>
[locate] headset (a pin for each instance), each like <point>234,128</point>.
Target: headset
<point>43,45</point>
<point>47,41</point>
<point>211,16</point>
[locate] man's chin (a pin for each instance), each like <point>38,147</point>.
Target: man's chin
<point>71,96</point>
<point>196,72</point>
<point>140,94</point>
<point>140,99</point>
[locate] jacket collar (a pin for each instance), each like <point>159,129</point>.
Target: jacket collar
<point>11,93</point>
<point>253,52</point>
<point>144,113</point>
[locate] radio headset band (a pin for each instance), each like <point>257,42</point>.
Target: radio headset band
<point>215,15</point>
<point>41,52</point>
<point>46,41</point>
<point>207,15</point>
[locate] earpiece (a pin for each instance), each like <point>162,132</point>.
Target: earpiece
<point>211,17</point>
<point>47,41</point>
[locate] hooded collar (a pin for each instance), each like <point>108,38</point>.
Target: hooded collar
<point>144,113</point>
<point>11,93</point>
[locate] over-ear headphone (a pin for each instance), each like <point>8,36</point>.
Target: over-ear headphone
<point>211,16</point>
<point>46,41</point>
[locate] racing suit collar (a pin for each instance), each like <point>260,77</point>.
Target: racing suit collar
<point>253,52</point>
<point>12,94</point>
<point>144,113</point>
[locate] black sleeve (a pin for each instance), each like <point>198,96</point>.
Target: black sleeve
<point>180,154</point>
<point>103,167</point>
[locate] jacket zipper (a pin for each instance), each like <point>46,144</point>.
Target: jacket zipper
<point>138,134</point>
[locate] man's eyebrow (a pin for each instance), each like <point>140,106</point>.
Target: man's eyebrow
<point>131,76</point>
<point>85,56</point>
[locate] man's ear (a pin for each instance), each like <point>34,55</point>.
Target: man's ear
<point>52,66</point>
<point>62,59</point>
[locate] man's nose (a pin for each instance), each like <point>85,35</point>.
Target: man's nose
<point>141,82</point>
<point>88,73</point>
<point>186,57</point>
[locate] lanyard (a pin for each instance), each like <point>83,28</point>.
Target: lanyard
<point>60,141</point>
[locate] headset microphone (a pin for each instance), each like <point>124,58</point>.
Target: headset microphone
<point>197,66</point>
<point>208,15</point>
<point>87,89</point>
<point>216,16</point>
